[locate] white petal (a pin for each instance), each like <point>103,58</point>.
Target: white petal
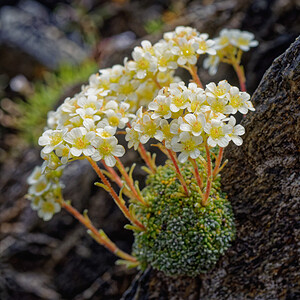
<point>237,140</point>
<point>119,151</point>
<point>110,160</point>
<point>183,156</point>
<point>76,152</point>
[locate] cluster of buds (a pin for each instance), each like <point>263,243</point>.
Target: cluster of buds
<point>146,98</point>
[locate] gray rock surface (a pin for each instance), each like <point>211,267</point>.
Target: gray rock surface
<point>31,31</point>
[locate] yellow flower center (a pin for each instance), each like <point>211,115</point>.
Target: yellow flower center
<point>113,121</point>
<point>40,186</point>
<point>143,64</point>
<point>203,46</point>
<point>80,143</point>
<point>126,89</point>
<point>189,145</point>
<point>65,151</point>
<point>197,126</point>
<point>105,134</point>
<point>179,101</point>
<point>150,128</point>
<point>89,105</point>
<point>105,148</point>
<point>223,40</point>
<point>48,207</point>
<point>236,101</point>
<point>187,50</point>
<point>55,139</point>
<point>216,132</point>
<point>218,106</point>
<point>220,91</point>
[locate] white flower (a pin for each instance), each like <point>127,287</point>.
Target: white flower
<point>243,40</point>
<point>219,105</point>
<point>211,63</point>
<point>166,59</point>
<point>194,124</point>
<point>40,187</point>
<point>35,176</point>
<point>147,127</point>
<point>236,131</point>
<point>186,52</point>
<point>188,146</point>
<point>224,39</point>
<point>218,133</point>
<point>106,132</point>
<point>143,64</point>
<point>107,149</point>
<point>51,139</point>
<point>205,45</point>
<point>165,131</point>
<point>197,98</point>
<point>47,209</point>
<point>80,140</point>
<point>64,152</point>
<point>179,96</point>
<point>132,137</point>
<point>239,101</point>
<point>115,119</point>
<point>161,107</point>
<point>220,91</point>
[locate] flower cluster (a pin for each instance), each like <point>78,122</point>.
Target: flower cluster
<point>183,117</point>
<point>144,97</point>
<point>44,192</point>
<point>229,47</point>
<point>86,123</point>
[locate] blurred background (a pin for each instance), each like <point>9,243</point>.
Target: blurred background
<point>48,49</point>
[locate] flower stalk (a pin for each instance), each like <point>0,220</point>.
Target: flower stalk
<point>218,162</point>
<point>179,175</point>
<point>209,176</point>
<point>129,181</point>
<point>99,236</point>
<point>118,201</point>
<point>197,175</point>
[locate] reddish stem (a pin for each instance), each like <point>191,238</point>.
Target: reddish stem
<point>180,177</point>
<point>116,177</point>
<point>129,181</point>
<point>197,175</point>
<point>106,242</point>
<point>208,184</point>
<point>193,72</point>
<point>218,162</point>
<point>241,76</point>
<point>146,158</point>
<point>118,201</point>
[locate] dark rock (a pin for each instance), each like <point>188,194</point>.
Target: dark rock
<point>29,29</point>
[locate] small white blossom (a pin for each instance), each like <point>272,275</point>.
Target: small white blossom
<point>218,133</point>
<point>236,131</point>
<point>80,140</point>
<point>188,146</point>
<point>51,139</point>
<point>107,149</point>
<point>193,124</point>
<point>239,101</point>
<point>132,137</point>
<point>47,209</point>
